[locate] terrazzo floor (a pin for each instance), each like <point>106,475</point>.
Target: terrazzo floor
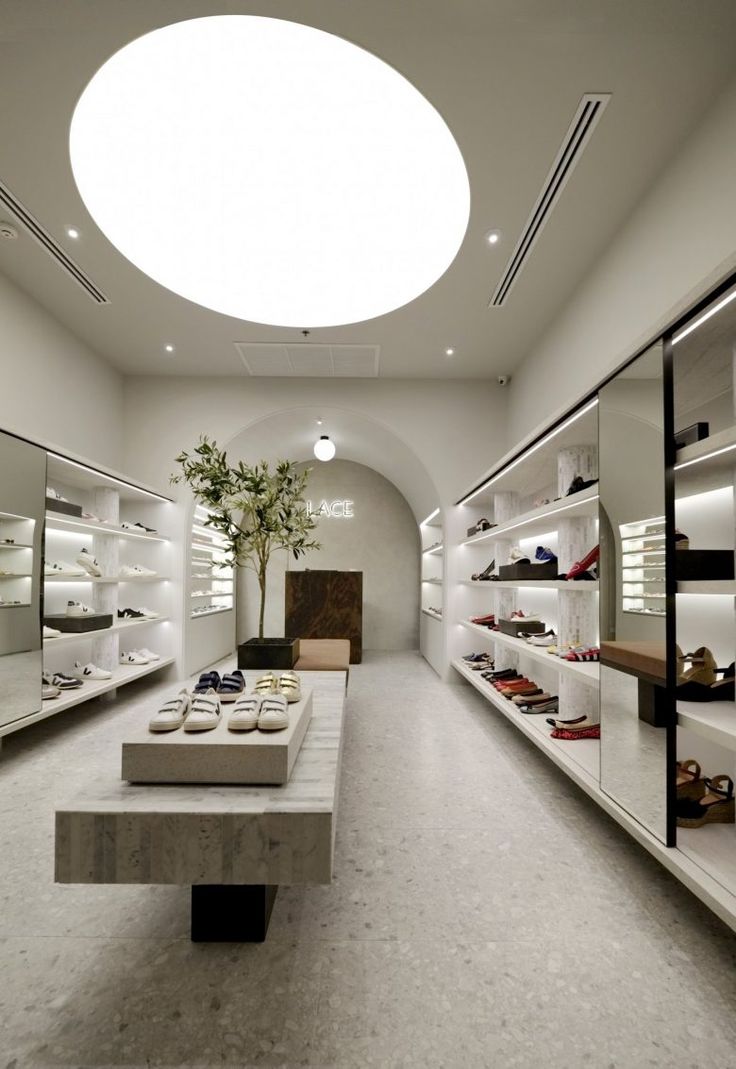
<point>483,914</point>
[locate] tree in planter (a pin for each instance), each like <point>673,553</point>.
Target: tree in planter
<point>254,509</point>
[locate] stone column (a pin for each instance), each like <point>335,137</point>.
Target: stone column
<point>505,509</point>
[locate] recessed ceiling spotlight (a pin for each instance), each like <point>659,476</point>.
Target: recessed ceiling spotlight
<point>169,348</point>
<point>493,237</point>
<point>72,232</point>
<point>449,352</point>
<point>319,422</point>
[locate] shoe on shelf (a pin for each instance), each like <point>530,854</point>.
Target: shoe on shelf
<point>266,684</point>
<point>519,614</point>
<point>61,680</point>
<point>586,654</point>
<point>90,671</point>
<point>49,691</point>
<point>78,608</point>
<point>138,527</point>
<point>722,690</point>
<point>134,657</point>
<point>681,540</point>
<point>61,568</point>
<point>584,564</point>
<point>55,495</point>
<point>207,681</point>
<point>579,484</point>
<point>89,563</point>
<point>232,685</point>
<point>547,639</point>
<point>568,724</point>
<point>289,686</point>
<point>148,614</point>
<point>544,555</point>
<point>531,708</point>
<point>50,632</point>
<point>485,621</point>
<point>149,654</point>
<point>716,806</point>
<point>129,614</point>
<point>475,658</point>
<point>172,713</point>
<point>274,714</point>
<point>593,731</point>
<point>689,780</point>
<point>135,571</point>
<point>486,573</point>
<point>702,666</point>
<point>517,556</point>
<point>204,712</point>
<point>543,697</point>
<point>246,712</point>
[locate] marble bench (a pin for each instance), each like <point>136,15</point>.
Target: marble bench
<point>232,845</point>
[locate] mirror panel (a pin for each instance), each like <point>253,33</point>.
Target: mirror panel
<point>634,704</point>
<point>22,507</point>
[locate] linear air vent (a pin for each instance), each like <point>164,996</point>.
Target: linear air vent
<point>309,360</point>
<point>52,247</point>
<point>586,119</point>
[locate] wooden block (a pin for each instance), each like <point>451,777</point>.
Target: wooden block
<point>220,755</point>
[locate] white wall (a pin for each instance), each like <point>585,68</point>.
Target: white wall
<point>443,433</point>
<point>678,243</point>
<point>55,390</point>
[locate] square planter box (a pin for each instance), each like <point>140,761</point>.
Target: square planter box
<point>280,653</point>
<point>513,627</point>
<point>79,624</point>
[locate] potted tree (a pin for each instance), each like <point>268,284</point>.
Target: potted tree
<point>255,510</point>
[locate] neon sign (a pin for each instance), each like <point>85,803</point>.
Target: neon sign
<point>341,509</point>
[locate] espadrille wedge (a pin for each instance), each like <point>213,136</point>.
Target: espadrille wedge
<point>715,807</point>
<point>689,782</point>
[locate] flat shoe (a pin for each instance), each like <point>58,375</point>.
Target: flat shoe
<point>246,711</point>
<point>171,714</point>
<point>274,715</point>
<point>204,713</point>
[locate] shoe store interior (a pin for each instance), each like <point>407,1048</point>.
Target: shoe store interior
<point>367,534</point>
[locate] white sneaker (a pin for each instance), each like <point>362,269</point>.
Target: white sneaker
<point>172,713</point>
<point>149,654</point>
<point>50,492</point>
<point>77,608</point>
<point>516,554</point>
<point>204,713</point>
<point>50,632</point>
<point>134,657</point>
<point>135,571</point>
<point>61,568</point>
<point>90,671</point>
<point>89,563</point>
<point>274,715</point>
<point>149,613</point>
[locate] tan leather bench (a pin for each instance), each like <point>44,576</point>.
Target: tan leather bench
<point>323,655</point>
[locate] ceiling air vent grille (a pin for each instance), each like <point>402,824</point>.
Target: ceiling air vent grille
<point>586,119</point>
<point>309,360</point>
<point>10,201</point>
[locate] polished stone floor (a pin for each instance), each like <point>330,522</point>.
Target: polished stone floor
<point>484,914</point>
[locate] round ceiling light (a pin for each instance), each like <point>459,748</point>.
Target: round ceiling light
<point>270,171</point>
<point>324,448</point>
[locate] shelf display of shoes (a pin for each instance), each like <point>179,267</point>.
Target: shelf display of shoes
<point>642,566</point>
<point>212,578</point>
<point>431,643</point>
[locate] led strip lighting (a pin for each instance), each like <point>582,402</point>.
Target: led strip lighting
<point>430,517</point>
<point>528,452</point>
<point>682,334</point>
<point>99,529</point>
<point>503,528</point>
<point>110,478</point>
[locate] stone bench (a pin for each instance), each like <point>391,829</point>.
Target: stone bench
<point>233,845</point>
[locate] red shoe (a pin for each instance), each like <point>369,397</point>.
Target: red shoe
<point>489,618</point>
<point>584,564</point>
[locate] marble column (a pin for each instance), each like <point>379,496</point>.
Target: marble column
<point>579,460</point>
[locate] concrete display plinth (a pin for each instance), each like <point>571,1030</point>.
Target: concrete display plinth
<point>220,755</point>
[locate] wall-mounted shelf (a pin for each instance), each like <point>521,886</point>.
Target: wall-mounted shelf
<point>56,522</point>
<point>105,579</point>
<point>589,586</point>
<point>585,671</point>
<point>542,519</point>
<point>432,615</point>
<point>709,586</point>
<point>210,612</point>
<point>81,636</point>
<point>15,545</point>
<point>713,720</point>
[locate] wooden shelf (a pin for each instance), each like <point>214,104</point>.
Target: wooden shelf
<point>585,671</point>
<point>589,586</point>
<point>79,636</point>
<point>542,519</point>
<point>584,754</point>
<point>68,523</point>
<point>712,720</point>
<point>89,690</point>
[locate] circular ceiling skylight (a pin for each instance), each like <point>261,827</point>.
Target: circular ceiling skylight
<point>270,171</point>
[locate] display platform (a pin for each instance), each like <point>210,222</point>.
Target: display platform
<point>220,755</point>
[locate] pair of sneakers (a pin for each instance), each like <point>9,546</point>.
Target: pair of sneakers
<point>203,712</point>
<point>139,657</point>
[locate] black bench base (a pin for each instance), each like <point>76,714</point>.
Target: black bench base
<point>231,913</point>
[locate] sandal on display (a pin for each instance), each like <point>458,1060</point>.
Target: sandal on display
<point>716,806</point>
<point>579,484</point>
<point>723,690</point>
<point>703,667</point>
<point>689,781</point>
<point>486,573</point>
<point>246,711</point>
<point>290,687</point>
<point>172,713</point>
<point>231,686</point>
<point>274,715</point>
<point>204,712</point>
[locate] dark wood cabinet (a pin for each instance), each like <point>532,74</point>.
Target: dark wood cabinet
<point>326,604</point>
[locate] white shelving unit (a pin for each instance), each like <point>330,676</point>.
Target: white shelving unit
<point>431,631</point>
<point>585,671</point>
<point>211,617</point>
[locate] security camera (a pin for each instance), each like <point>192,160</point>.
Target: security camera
<point>504,380</point>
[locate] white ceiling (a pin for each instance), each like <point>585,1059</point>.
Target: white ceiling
<point>507,75</point>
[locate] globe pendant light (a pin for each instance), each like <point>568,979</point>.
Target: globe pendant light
<point>324,448</point>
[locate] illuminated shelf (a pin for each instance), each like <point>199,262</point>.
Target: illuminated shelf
<point>121,626</point>
<point>105,579</point>
<point>542,519</point>
<point>63,523</point>
<point>432,615</point>
<point>587,586</point>
<point>210,612</point>
<point>586,671</point>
